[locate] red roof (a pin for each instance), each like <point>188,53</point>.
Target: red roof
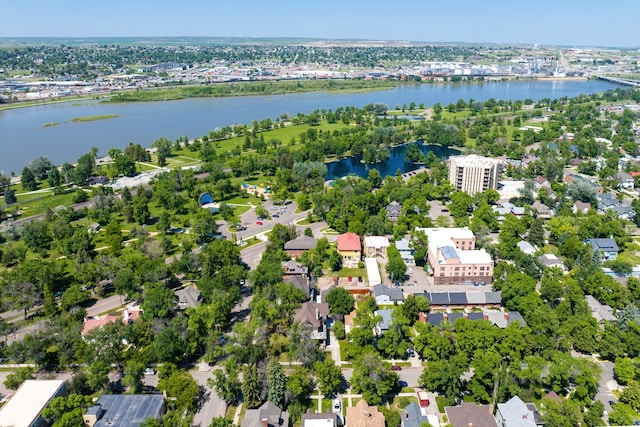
<point>349,242</point>
<point>634,173</point>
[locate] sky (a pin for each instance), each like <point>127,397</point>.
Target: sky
<point>612,23</point>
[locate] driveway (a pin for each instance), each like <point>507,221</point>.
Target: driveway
<point>606,386</point>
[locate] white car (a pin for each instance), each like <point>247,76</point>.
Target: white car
<point>337,406</point>
<point>149,371</point>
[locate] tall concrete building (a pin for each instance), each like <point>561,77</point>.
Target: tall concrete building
<point>473,173</point>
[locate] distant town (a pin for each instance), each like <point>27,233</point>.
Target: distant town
<point>43,72</point>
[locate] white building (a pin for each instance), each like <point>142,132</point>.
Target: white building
<point>26,405</point>
<point>373,273</point>
<point>473,173</point>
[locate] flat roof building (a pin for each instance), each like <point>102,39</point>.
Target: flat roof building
<point>26,405</point>
<point>473,173</point>
<point>124,410</point>
<point>452,257</point>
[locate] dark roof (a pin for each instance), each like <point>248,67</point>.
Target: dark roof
<point>608,245</point>
<point>188,296</point>
<point>275,416</point>
<point>129,410</point>
<point>516,316</point>
<point>435,319</point>
<point>299,282</point>
<point>395,294</point>
<point>412,416</point>
<point>307,314</point>
<point>394,210</point>
<point>303,243</point>
<point>457,298</point>
<point>452,317</point>
<point>438,298</point>
<point>475,316</point>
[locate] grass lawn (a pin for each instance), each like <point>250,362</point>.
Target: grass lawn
<point>327,406</point>
<point>353,272</point>
<point>401,402</point>
<point>34,204</point>
<point>231,412</point>
<point>628,255</point>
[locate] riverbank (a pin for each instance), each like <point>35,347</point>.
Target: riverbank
<point>274,87</point>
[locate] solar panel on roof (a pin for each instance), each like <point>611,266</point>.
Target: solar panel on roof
<point>449,252</point>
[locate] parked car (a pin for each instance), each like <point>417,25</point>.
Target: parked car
<point>396,368</point>
<point>149,371</point>
<point>258,222</point>
<point>403,383</point>
<point>337,406</point>
<point>275,216</point>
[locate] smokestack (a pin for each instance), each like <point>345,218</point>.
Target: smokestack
<point>317,314</point>
<point>506,315</point>
<point>264,422</point>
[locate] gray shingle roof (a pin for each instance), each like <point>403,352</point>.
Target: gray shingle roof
<point>395,294</point>
<point>128,410</point>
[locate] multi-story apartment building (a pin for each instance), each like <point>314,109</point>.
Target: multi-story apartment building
<point>473,173</point>
<point>453,258</point>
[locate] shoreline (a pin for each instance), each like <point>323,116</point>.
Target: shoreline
<point>106,97</point>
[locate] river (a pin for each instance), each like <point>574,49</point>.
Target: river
<point>24,137</point>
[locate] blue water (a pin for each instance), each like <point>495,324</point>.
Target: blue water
<point>23,137</point>
<point>354,166</point>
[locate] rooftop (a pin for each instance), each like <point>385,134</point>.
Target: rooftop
<point>349,242</point>
<point>470,413</point>
<point>129,410</point>
<point>29,400</point>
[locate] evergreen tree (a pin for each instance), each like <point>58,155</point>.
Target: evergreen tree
<point>28,180</point>
<point>276,382</point>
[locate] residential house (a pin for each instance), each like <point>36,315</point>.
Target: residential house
<point>609,202</point>
<point>268,415</point>
<point>189,296</point>
<point>550,260</point>
<point>465,300</point>
<point>310,419</point>
<point>385,320</point>
<point>292,268</point>
<point>412,417</point>
<point>608,248</point>
<point>394,210</point>
<point>516,413</point>
<point>406,251</point>
<point>526,247</point>
<point>452,257</point>
<point>375,246</point>
<point>363,415</point>
<point>470,414</point>
<point>301,282</point>
<point>542,210</point>
<point>124,410</point>
<point>601,312</point>
<point>349,249</point>
<point>502,319</point>
<point>541,182</point>
<point>625,181</point>
<point>508,209</point>
<point>129,315</point>
<point>25,406</point>
<point>386,295</point>
<point>314,315</point>
<point>581,207</point>
<point>296,247</point>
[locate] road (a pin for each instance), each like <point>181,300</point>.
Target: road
<point>105,305</point>
<point>211,405</point>
<point>606,386</point>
